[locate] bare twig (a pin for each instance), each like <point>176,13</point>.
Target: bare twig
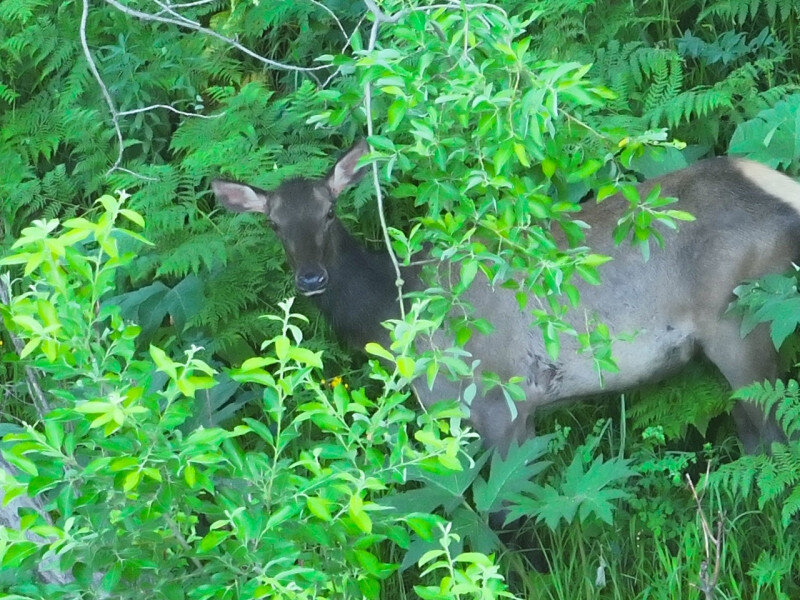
<point>380,17</point>
<point>39,401</point>
<point>346,46</point>
<point>182,21</point>
<point>100,82</point>
<point>333,16</point>
<point>104,90</point>
<point>708,582</point>
<point>166,7</point>
<point>112,109</point>
<point>167,107</point>
<point>190,4</point>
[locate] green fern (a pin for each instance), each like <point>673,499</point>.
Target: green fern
<point>781,398</point>
<point>7,94</point>
<point>693,398</point>
<point>776,476</point>
<point>741,11</point>
<point>689,105</point>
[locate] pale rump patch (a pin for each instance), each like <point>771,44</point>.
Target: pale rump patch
<point>774,183</point>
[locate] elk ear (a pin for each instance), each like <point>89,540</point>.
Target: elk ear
<point>239,197</point>
<point>344,172</point>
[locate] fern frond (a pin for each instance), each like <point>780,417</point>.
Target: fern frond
<point>737,479</point>
<point>791,506</point>
<point>20,10</point>
<point>689,105</point>
<point>690,398</point>
<point>8,94</point>
<point>741,11</point>
<point>781,399</point>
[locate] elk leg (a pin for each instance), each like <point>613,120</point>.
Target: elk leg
<point>489,414</point>
<point>743,361</point>
<point>491,417</point>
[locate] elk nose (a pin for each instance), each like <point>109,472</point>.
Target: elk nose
<point>312,282</point>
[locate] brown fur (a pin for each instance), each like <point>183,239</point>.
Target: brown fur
<point>747,225</point>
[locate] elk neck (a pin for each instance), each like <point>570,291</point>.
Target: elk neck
<point>361,291</point>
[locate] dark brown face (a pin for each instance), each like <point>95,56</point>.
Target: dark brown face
<point>302,214</point>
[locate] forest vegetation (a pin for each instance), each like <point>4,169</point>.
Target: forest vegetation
<point>175,423</point>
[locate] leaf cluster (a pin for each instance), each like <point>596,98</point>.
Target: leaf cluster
<point>139,497</point>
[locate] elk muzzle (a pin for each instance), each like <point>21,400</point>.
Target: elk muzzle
<point>311,282</point>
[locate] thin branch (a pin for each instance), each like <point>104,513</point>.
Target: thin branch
<point>100,82</point>
<point>47,568</point>
<point>167,107</point>
<point>708,583</point>
<point>191,4</point>
<point>184,22</point>
<point>115,114</point>
<point>176,531</point>
<point>333,15</point>
<point>373,36</point>
<point>167,8</point>
<point>104,90</point>
<point>346,46</point>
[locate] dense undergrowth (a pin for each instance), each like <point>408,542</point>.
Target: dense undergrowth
<point>312,475</point>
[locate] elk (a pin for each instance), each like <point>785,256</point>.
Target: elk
<point>747,224</point>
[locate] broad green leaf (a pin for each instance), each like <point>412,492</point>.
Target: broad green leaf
<point>164,362</point>
<point>378,350</point>
<point>406,366</point>
<point>318,507</point>
<point>211,540</point>
<point>358,515</point>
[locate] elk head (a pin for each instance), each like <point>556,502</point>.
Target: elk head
<point>302,212</point>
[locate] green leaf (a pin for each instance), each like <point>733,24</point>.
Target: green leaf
<point>469,269</point>
<point>32,344</point>
<point>395,113</point>
<point>133,216</point>
<point>211,540</point>
<point>305,357</point>
<point>358,515</point>
<point>522,155</point>
<point>132,480</point>
<point>15,553</point>
<point>584,494</point>
<point>23,464</point>
<point>282,345</point>
<point>406,366</point>
<point>501,155</point>
<point>378,350</point>
<point>510,475</point>
<point>318,507</point>
<point>551,342</point>
<point>164,362</point>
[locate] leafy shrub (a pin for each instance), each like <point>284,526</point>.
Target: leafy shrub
<point>487,130</point>
<point>284,506</point>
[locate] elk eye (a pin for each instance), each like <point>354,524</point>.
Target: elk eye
<point>331,213</point>
<point>273,225</point>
